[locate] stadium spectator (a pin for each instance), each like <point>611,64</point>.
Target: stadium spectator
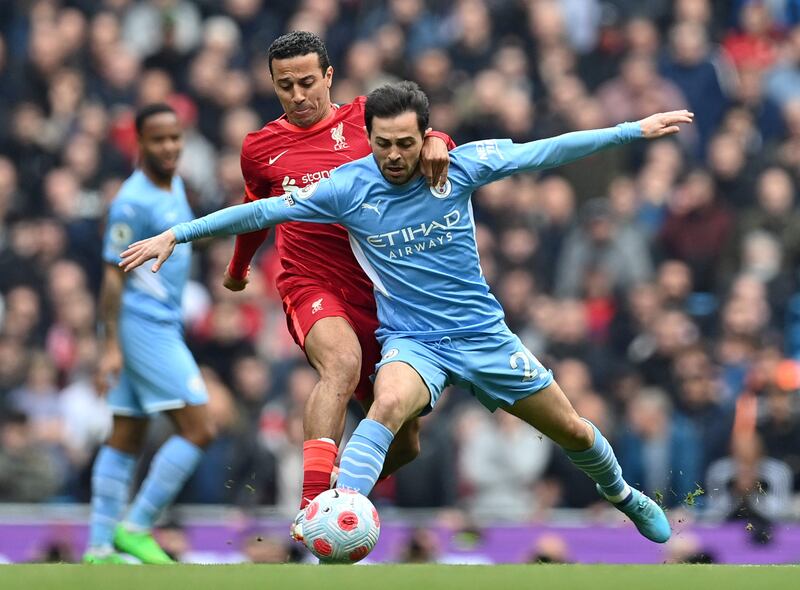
<point>599,243</point>
<point>29,471</point>
<point>749,486</point>
<point>500,462</point>
<point>697,73</point>
<point>659,450</point>
<point>697,228</point>
<point>783,82</point>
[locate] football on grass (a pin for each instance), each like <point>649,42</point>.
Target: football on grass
<point>341,526</point>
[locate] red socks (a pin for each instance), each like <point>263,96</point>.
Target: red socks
<point>318,458</point>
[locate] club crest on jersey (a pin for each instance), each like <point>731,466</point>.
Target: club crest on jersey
<point>337,134</point>
<point>390,354</point>
<point>442,192</point>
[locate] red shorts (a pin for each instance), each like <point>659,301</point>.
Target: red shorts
<point>304,306</point>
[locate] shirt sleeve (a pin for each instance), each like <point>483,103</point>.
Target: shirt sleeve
<point>315,203</point>
<point>126,224</point>
<point>444,137</point>
<point>256,186</point>
<point>487,161</point>
<point>245,247</point>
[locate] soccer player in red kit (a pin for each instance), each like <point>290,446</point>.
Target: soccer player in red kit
<point>328,300</point>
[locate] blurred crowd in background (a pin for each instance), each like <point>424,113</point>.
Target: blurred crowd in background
<point>659,281</point>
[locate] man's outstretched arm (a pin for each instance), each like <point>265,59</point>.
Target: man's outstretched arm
<point>497,159</point>
<point>261,214</point>
<point>566,148</point>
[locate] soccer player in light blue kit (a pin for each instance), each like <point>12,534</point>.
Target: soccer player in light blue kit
<point>145,360</point>
<point>439,324</point>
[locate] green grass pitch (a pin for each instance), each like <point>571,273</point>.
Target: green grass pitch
<point>392,577</point>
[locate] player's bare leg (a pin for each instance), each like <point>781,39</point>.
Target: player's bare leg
<point>194,424</point>
<point>172,465</point>
<point>400,394</point>
<point>405,446</point>
<point>334,351</point>
<point>127,434</point>
<point>550,412</point>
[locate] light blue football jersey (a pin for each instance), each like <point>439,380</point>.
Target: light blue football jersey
<point>141,209</point>
<point>417,244</point>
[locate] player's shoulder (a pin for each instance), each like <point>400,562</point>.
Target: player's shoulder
<point>355,170</point>
<point>127,204</point>
<point>135,190</point>
<point>179,190</point>
<point>352,111</point>
<point>259,142</point>
<point>472,160</point>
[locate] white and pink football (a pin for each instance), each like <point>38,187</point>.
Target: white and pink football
<point>341,526</point>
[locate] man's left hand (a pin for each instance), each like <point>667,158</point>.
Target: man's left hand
<point>434,160</point>
<point>663,124</point>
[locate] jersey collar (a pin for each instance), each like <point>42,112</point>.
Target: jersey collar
<point>321,124</point>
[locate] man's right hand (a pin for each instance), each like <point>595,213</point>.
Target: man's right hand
<point>159,247</point>
<point>109,367</point>
<point>233,284</point>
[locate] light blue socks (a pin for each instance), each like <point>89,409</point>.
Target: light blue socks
<point>111,479</point>
<point>363,457</point>
<point>172,465</point>
<point>599,463</point>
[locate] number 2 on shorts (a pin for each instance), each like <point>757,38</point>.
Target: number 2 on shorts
<point>529,373</point>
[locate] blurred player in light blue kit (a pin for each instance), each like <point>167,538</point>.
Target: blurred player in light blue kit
<point>439,324</point>
<point>145,360</point>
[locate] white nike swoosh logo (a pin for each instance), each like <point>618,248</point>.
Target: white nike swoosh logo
<point>275,159</point>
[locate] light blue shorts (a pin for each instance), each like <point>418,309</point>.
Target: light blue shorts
<point>496,368</point>
<point>159,373</point>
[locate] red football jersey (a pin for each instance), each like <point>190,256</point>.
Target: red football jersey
<point>282,156</point>
<point>278,158</point>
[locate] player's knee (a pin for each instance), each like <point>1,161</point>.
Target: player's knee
<point>126,440</point>
<point>578,435</point>
<point>128,445</point>
<point>201,435</point>
<point>390,410</point>
<point>342,368</point>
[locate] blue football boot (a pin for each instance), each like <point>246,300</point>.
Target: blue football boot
<point>648,516</point>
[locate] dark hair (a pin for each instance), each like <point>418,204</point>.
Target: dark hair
<point>152,109</point>
<point>391,100</point>
<point>299,43</point>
